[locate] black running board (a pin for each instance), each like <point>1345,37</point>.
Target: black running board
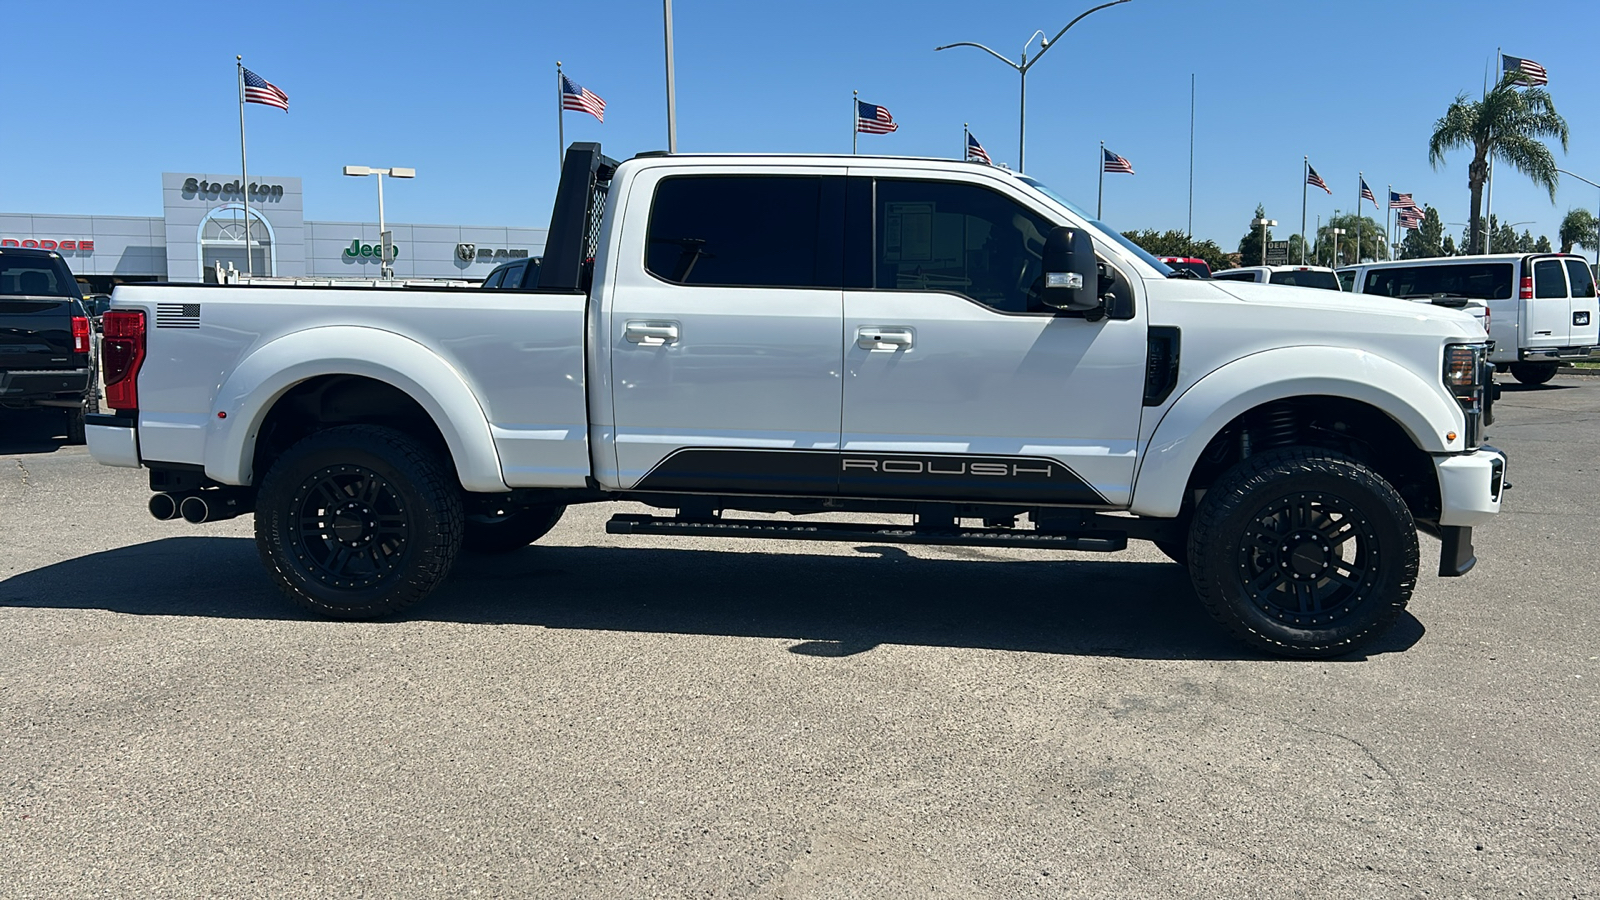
<point>1102,541</point>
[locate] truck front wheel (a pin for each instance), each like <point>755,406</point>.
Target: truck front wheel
<point>358,522</point>
<point>1303,552</point>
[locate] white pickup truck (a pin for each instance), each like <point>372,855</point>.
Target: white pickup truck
<point>934,339</point>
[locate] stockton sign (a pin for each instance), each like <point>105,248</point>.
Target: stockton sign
<point>199,187</point>
<point>65,245</point>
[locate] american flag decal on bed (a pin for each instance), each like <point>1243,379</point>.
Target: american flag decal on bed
<point>177,315</point>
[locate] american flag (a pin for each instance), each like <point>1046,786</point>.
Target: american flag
<point>975,151</point>
<point>1366,194</point>
<point>1315,180</point>
<point>872,119</point>
<point>1409,218</point>
<point>1115,163</point>
<point>1401,201</point>
<point>1528,71</point>
<point>260,90</point>
<point>581,99</point>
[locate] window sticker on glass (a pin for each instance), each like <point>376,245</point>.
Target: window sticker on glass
<point>908,231</point>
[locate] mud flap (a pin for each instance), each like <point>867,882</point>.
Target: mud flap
<point>1456,557</point>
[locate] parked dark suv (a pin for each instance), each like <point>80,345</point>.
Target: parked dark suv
<point>518,275</point>
<point>46,346</point>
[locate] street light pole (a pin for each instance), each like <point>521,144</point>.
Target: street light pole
<point>1597,220</point>
<point>1022,70</point>
<point>1263,223</point>
<point>385,243</point>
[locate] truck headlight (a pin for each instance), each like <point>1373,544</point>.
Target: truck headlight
<point>1467,375</point>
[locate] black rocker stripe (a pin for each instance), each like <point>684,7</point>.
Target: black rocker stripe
<point>831,473</point>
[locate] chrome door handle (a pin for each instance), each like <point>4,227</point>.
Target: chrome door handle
<point>868,338</point>
<point>650,333</point>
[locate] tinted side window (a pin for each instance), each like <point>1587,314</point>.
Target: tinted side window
<point>960,238</point>
<point>745,230</point>
<point>1347,281</point>
<point>1324,280</point>
<point>1237,276</point>
<point>493,281</point>
<point>1548,280</point>
<point>1582,279</point>
<point>513,279</point>
<point>1480,281</point>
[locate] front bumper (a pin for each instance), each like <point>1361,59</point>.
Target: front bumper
<point>113,440</point>
<point>1470,486</point>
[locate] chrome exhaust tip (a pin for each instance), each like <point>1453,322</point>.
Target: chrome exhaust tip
<point>164,506</point>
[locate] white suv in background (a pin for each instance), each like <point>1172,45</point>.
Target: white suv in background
<point>1296,276</point>
<point>1542,306</point>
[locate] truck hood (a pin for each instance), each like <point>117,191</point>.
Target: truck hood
<point>1324,306</point>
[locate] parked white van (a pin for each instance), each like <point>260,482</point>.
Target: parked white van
<point>1542,306</point>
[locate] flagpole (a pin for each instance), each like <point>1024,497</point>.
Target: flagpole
<point>855,120</point>
<point>244,174</point>
<point>561,125</point>
<point>1361,179</point>
<point>1100,205</point>
<point>1191,156</point>
<point>1388,204</point>
<point>1488,202</point>
<point>1305,177</point>
<point>966,140</point>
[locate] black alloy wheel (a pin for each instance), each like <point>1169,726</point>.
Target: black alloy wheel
<point>1304,552</point>
<point>358,522</point>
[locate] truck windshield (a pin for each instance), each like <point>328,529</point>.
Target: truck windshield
<point>1104,229</point>
<point>34,276</point>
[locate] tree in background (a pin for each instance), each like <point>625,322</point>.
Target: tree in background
<point>1542,245</point>
<point>1373,243</point>
<point>1250,250</point>
<point>1508,122</point>
<point>1578,228</point>
<point>1449,246</point>
<point>1176,243</point>
<point>1426,239</point>
<point>1506,239</point>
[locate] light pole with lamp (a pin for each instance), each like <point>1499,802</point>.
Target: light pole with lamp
<point>1597,221</point>
<point>1337,232</point>
<point>385,240</point>
<point>1263,223</point>
<point>1023,67</point>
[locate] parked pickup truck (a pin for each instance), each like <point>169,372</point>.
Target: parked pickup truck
<point>46,349</point>
<point>937,340</point>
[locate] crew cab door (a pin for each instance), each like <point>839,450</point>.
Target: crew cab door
<point>724,330</point>
<point>959,382</point>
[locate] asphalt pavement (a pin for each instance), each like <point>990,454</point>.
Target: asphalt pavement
<point>610,716</point>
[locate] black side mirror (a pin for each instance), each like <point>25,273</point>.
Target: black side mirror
<point>1071,276</point>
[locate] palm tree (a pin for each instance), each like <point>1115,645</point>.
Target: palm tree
<point>1578,228</point>
<point>1507,123</point>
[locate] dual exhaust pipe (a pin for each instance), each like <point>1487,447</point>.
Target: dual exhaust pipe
<point>197,507</point>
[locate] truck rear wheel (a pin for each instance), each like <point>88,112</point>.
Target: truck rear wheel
<point>1534,373</point>
<point>358,522</point>
<point>1303,552</point>
<point>501,531</point>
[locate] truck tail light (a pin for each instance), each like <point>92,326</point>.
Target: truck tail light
<point>1526,293</point>
<point>122,353</point>
<point>80,334</point>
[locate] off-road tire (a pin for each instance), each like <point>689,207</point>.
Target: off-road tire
<point>493,532</point>
<point>358,522</point>
<point>1534,373</point>
<point>1350,566</point>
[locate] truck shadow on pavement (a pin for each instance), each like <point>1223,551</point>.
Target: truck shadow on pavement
<point>830,605</point>
<point>32,431</point>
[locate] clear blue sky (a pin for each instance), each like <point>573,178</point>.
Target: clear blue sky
<point>109,95</point>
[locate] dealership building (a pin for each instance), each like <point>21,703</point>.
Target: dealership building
<point>202,228</point>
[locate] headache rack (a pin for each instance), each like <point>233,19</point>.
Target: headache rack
<point>569,248</point>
